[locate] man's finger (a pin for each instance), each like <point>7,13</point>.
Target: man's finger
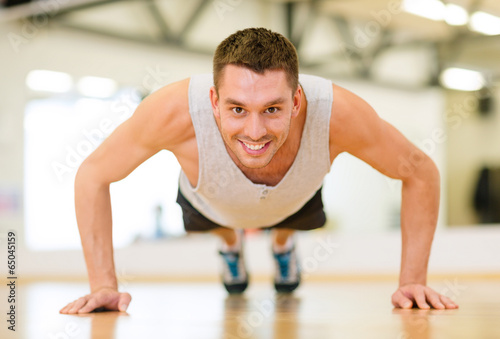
<point>400,300</point>
<point>124,301</point>
<point>89,306</point>
<point>448,302</point>
<point>77,305</point>
<point>434,299</point>
<point>66,308</point>
<point>419,296</point>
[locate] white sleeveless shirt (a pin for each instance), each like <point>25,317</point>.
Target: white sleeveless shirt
<point>225,195</point>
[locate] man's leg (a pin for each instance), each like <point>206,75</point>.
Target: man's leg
<point>281,238</point>
<point>234,273</point>
<point>227,235</point>
<point>287,272</point>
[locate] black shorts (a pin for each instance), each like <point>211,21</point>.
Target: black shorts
<point>309,217</point>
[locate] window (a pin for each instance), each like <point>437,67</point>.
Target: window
<point>60,132</point>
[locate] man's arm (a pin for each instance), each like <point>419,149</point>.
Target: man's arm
<point>356,128</point>
<point>158,123</point>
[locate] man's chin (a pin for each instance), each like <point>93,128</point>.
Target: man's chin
<point>253,165</point>
<point>253,162</point>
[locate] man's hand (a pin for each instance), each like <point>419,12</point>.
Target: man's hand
<point>421,296</point>
<point>107,298</point>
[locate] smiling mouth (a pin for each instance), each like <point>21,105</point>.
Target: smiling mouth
<point>255,147</point>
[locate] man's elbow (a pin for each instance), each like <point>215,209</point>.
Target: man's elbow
<point>424,171</point>
<point>88,176</point>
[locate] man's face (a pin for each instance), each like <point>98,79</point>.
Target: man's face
<point>254,113</point>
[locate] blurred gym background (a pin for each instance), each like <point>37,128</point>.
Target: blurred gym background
<point>72,70</point>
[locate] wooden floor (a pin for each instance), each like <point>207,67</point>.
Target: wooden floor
<point>204,310</point>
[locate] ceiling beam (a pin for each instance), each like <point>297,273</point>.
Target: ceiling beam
<point>195,16</point>
<point>155,12</point>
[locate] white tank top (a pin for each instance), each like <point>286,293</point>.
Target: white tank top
<point>225,195</point>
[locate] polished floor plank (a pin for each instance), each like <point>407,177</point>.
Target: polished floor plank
<point>204,310</point>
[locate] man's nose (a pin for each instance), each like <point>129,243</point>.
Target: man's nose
<point>255,127</point>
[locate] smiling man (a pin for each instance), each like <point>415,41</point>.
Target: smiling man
<point>254,141</point>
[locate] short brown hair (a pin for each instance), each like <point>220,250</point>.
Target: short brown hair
<point>258,49</point>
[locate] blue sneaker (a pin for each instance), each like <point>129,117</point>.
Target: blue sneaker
<point>287,273</point>
<point>234,272</point>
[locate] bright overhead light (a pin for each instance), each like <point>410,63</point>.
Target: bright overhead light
<point>49,81</point>
<point>430,9</point>
<point>485,23</point>
<point>456,15</point>
<point>97,87</point>
<point>462,79</point>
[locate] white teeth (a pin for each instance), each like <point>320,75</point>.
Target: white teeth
<point>254,147</point>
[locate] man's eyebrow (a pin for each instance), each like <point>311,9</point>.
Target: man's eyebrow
<point>277,101</point>
<point>230,101</point>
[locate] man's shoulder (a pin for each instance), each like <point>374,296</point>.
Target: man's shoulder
<point>316,87</point>
<point>165,113</point>
<point>189,93</point>
<point>352,120</point>
<point>174,94</point>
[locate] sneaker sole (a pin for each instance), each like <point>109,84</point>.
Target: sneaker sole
<point>286,288</point>
<point>236,288</point>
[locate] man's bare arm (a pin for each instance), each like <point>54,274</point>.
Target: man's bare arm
<point>356,128</point>
<point>157,124</point>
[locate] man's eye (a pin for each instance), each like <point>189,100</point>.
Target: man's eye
<point>272,110</point>
<point>238,110</point>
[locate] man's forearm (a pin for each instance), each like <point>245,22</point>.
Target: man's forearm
<point>419,213</point>
<point>93,213</point>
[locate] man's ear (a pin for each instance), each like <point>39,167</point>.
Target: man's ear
<point>214,99</point>
<point>297,100</point>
